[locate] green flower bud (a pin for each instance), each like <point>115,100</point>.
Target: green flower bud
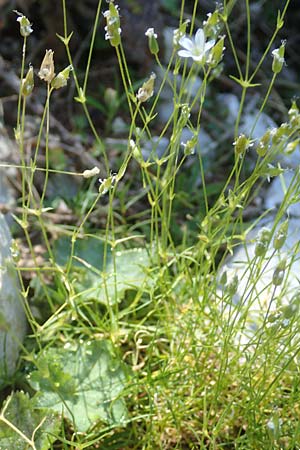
<point>216,53</point>
<point>152,41</point>
<point>294,115</point>
<point>28,83</point>
<point>232,286</point>
<point>212,25</point>
<point>180,32</point>
<point>278,58</point>
<point>280,235</point>
<point>279,272</point>
<point>61,79</point>
<point>113,30</point>
<point>264,144</point>
<point>293,111</point>
<point>241,144</point>
<point>189,146</point>
<point>147,89</point>
<point>262,242</point>
<point>278,134</point>
<point>223,279</point>
<point>25,25</point>
<point>291,147</point>
<point>46,72</point>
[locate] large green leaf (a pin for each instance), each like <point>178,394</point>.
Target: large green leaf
<point>82,382</point>
<point>127,270</point>
<point>22,413</point>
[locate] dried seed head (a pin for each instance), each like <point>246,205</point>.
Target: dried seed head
<point>46,72</point>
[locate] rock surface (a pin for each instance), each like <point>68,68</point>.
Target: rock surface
<point>256,297</point>
<point>12,314</point>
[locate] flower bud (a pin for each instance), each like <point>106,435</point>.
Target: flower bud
<point>216,53</point>
<point>278,134</point>
<point>190,145</point>
<point>262,242</point>
<point>263,145</point>
<point>294,115</point>
<point>278,58</point>
<point>46,72</point>
<point>293,111</point>
<point>180,32</point>
<point>241,144</point>
<point>232,286</point>
<point>279,272</point>
<point>61,79</point>
<point>25,25</point>
<point>280,235</point>
<point>212,25</point>
<point>291,147</point>
<point>223,279</point>
<point>112,28</point>
<point>111,97</point>
<point>147,89</point>
<point>28,83</point>
<point>136,152</point>
<point>152,41</point>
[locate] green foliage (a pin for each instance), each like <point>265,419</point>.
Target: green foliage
<point>40,425</point>
<point>208,352</point>
<point>82,382</point>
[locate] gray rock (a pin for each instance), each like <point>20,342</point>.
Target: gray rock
<point>256,296</point>
<point>12,314</point>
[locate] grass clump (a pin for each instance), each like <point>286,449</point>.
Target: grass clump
<point>145,331</point>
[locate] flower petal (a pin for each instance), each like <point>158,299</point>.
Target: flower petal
<point>185,54</point>
<point>186,43</point>
<point>209,45</point>
<point>200,39</point>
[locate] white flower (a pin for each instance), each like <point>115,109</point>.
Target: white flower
<point>150,33</point>
<point>195,48</point>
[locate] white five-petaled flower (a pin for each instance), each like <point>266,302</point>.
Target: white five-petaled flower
<point>196,48</point>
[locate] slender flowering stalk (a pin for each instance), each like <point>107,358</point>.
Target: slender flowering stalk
<point>196,48</point>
